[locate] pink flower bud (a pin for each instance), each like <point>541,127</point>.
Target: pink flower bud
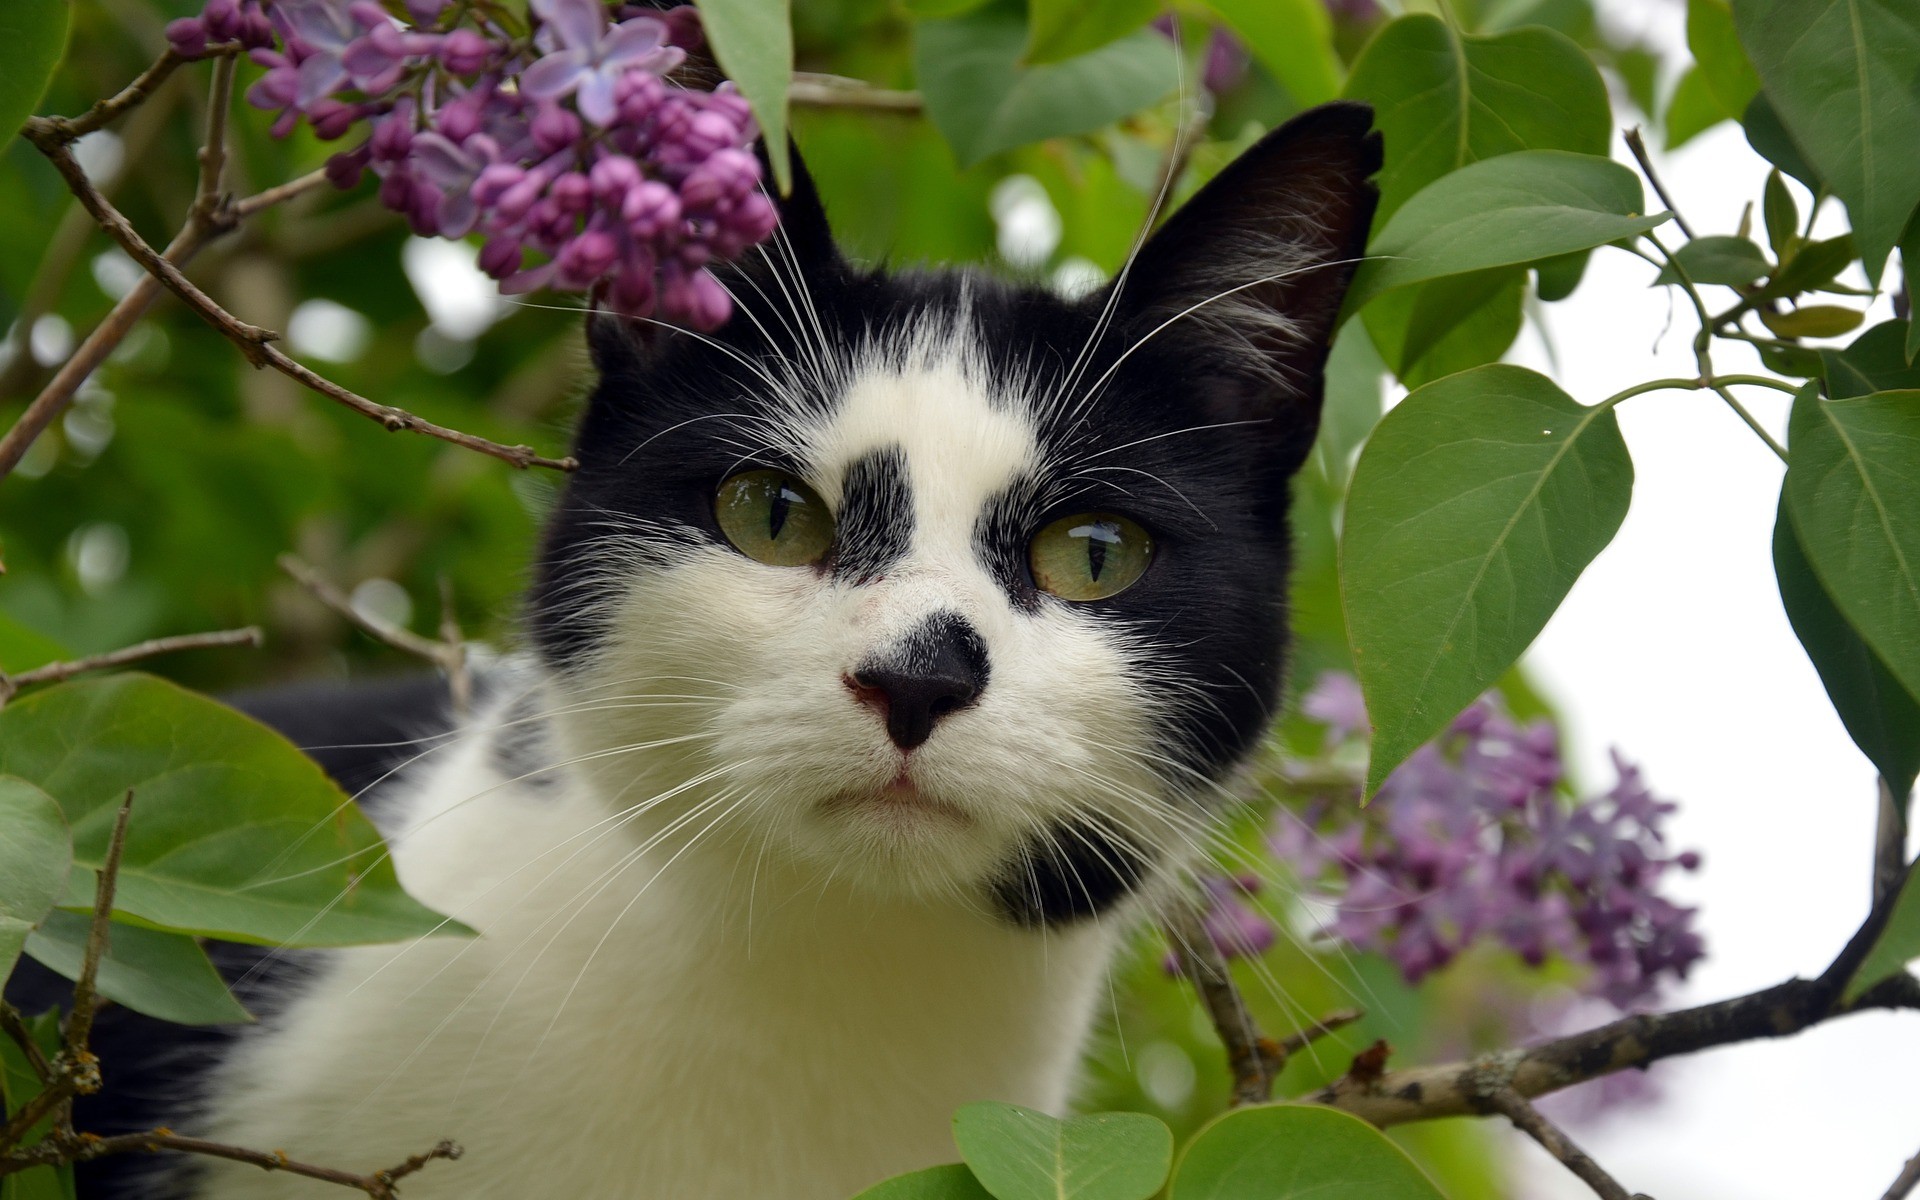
<point>494,180</point>
<point>187,36</point>
<point>500,257</point>
<point>464,51</point>
<point>650,208</point>
<point>331,118</point>
<point>613,177</point>
<point>345,171</point>
<point>572,193</point>
<point>554,129</point>
<point>393,134</point>
<point>396,191</point>
<point>256,31</point>
<point>222,18</point>
<point>425,12</point>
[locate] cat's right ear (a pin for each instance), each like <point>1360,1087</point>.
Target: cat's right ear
<point>801,243</point>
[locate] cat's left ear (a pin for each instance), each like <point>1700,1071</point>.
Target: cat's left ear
<point>1257,264</point>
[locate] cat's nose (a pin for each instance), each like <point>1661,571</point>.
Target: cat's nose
<point>936,670</point>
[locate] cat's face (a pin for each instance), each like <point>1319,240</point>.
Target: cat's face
<point>950,586</point>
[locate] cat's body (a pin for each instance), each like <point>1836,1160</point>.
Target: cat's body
<point>775,865</point>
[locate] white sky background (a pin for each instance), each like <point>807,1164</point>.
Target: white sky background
<point>1674,647</point>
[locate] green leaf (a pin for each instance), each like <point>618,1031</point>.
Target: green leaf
<point>235,833</point>
<point>1728,261</point>
<point>1556,278</point>
<point>1840,74</point>
<point>1443,100</point>
<point>924,9</point>
<point>1445,325</point>
<point>1898,944</point>
<point>1882,719</point>
<point>1354,375</point>
<point>1292,39</point>
<point>1771,141</point>
<point>1855,499</point>
<point>1296,1152</point>
<point>1020,1154</point>
<point>1716,48</point>
<point>1476,504</point>
<point>1910,263</point>
<point>983,101</point>
<point>164,975</point>
<point>1814,320</point>
<point>1781,213</point>
<point>752,40</point>
<point>35,856</point>
<point>951,1182</point>
<point>33,37</point>
<point>19,1084</point>
<point>1062,29</point>
<point>1875,362</point>
<point>1691,110</point>
<point>1518,208</point>
<point>22,648</point>
<point>1809,265</point>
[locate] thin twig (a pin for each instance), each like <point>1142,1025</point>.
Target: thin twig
<point>15,1027</point>
<point>1554,1140</point>
<point>450,656</point>
<point>213,151</point>
<point>80,1020</point>
<point>1299,1040</point>
<point>57,671</point>
<point>1639,148</point>
<point>379,1184</point>
<point>254,342</point>
<point>72,129</point>
<point>1254,1060</point>
<point>459,674</point>
<point>1906,1181</point>
<point>812,90</point>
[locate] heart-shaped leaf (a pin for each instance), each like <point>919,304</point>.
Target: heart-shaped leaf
<point>164,975</point>
<point>983,101</point>
<point>1062,29</point>
<point>1296,1152</point>
<point>1518,208</point>
<point>1477,502</point>
<point>951,1182</point>
<point>1854,494</point>
<point>1443,99</point>
<point>35,856</point>
<point>1723,64</point>
<point>1019,1154</point>
<point>235,833</point>
<point>1840,75</point>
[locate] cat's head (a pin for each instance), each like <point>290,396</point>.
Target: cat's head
<point>947,584</point>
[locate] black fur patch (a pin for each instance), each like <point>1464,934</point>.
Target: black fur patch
<point>1075,872</point>
<point>875,528</point>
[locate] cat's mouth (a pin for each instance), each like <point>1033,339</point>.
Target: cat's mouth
<point>899,802</point>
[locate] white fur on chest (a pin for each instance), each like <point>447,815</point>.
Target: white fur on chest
<point>639,1026</point>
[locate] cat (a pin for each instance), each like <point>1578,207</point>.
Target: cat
<point>888,652</point>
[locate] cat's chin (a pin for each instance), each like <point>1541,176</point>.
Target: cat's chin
<point>902,808</point>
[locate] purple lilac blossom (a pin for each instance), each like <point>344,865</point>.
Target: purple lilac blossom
<point>1474,838</point>
<point>472,131</point>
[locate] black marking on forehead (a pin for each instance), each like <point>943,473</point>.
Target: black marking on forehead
<point>1071,871</point>
<point>876,516</point>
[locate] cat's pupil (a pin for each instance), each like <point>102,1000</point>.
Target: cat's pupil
<point>783,498</point>
<point>1098,536</point>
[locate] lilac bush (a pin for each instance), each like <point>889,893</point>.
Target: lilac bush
<point>1475,839</point>
<point>565,147</point>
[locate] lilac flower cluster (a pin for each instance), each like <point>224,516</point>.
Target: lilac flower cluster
<point>1473,838</point>
<point>567,150</point>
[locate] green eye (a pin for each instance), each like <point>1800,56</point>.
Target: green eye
<point>773,518</point>
<point>1089,556</point>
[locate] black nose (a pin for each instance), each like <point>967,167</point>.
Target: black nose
<point>939,668</point>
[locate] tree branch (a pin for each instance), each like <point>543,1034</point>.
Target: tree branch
<point>1889,845</point>
<point>105,112</point>
<point>1639,149</point>
<point>449,655</point>
<point>55,672</point>
<point>812,90</point>
<point>254,342</point>
<point>1906,1181</point>
<point>1530,1121</point>
<point>1255,1061</point>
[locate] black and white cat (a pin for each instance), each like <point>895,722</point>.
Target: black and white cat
<point>889,647</point>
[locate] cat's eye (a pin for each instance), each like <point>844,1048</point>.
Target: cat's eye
<point>1089,556</point>
<point>773,518</point>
